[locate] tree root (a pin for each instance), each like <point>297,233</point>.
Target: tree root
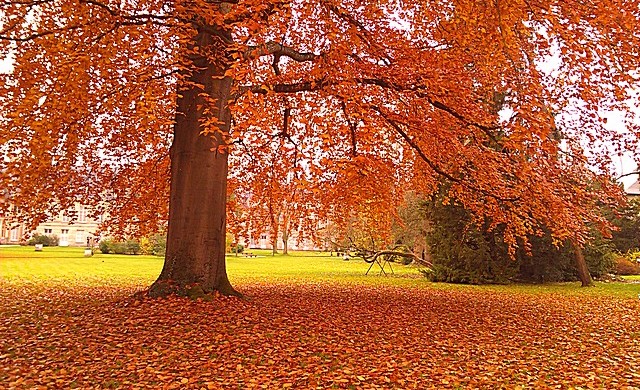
<point>164,288</point>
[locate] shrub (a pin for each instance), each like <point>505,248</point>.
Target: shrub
<point>44,240</point>
<point>627,220</point>
<point>146,246</point>
<point>152,245</point>
<point>130,247</point>
<point>599,255</point>
<point>633,256</point>
<point>158,244</point>
<point>237,249</point>
<point>106,246</point>
<point>625,266</point>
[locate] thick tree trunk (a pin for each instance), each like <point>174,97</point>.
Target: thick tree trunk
<point>581,265</point>
<point>195,256</point>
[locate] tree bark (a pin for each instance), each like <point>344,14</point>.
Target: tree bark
<point>581,265</point>
<point>285,239</point>
<point>195,256</point>
<point>274,232</point>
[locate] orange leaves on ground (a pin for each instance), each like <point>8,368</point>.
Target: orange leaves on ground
<point>316,336</point>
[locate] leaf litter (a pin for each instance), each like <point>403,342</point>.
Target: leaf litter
<point>321,335</point>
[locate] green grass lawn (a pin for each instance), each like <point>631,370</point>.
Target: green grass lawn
<point>61,263</point>
<point>69,263</point>
<point>58,264</point>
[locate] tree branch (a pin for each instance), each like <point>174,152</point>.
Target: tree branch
<point>303,86</point>
<point>409,255</point>
<point>362,30</point>
<point>415,146</point>
<point>628,174</point>
<point>419,90</point>
<point>278,50</point>
<point>118,20</point>
<point>394,124</point>
<point>352,129</point>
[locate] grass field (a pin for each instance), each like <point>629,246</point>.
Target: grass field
<point>58,264</point>
<point>314,321</point>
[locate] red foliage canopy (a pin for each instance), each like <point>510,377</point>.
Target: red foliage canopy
<point>504,100</point>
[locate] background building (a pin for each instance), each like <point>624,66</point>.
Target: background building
<point>11,232</point>
<point>71,232</point>
<point>634,189</point>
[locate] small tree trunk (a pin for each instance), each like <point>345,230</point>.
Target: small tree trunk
<point>581,265</point>
<point>285,241</point>
<point>195,256</point>
<point>274,240</point>
<point>274,219</point>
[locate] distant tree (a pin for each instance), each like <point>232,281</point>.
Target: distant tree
<point>276,190</point>
<point>464,251</point>
<point>626,219</point>
<point>412,226</point>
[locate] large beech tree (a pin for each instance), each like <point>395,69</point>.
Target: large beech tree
<point>107,99</point>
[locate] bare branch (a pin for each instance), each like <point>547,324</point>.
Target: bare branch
<point>628,174</point>
<point>400,254</point>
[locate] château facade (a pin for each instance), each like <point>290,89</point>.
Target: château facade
<point>70,232</point>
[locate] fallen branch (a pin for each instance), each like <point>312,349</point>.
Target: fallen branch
<point>409,255</point>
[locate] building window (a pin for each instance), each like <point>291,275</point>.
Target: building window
<point>79,236</point>
<point>82,214</point>
<point>48,231</point>
<point>263,237</point>
<point>14,234</point>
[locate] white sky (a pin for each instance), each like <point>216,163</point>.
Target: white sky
<point>625,164</point>
<point>6,64</point>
